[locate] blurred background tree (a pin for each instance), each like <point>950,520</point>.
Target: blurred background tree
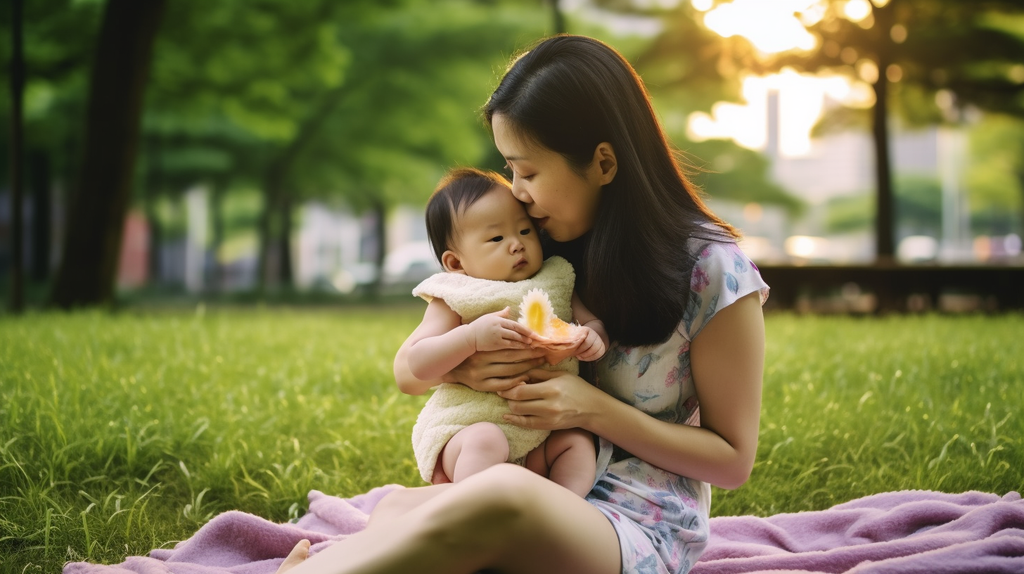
<point>103,185</point>
<point>996,175</point>
<point>926,60</point>
<point>57,43</point>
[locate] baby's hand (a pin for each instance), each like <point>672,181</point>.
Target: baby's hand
<point>496,332</point>
<point>592,348</point>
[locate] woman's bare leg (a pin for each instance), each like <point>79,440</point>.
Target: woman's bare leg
<point>505,517</point>
<point>398,502</point>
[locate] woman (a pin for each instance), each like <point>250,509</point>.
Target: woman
<point>681,304</point>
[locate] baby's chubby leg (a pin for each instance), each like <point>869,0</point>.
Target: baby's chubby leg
<point>568,458</point>
<point>472,449</point>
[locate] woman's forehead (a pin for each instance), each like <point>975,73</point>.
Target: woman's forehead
<point>512,142</point>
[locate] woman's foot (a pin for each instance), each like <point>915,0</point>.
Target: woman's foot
<point>297,556</point>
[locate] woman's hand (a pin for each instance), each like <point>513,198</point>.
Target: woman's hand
<point>493,371</point>
<point>553,400</point>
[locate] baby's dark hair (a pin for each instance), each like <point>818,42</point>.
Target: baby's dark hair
<point>457,190</point>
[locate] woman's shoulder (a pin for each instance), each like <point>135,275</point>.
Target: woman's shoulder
<point>721,275</point>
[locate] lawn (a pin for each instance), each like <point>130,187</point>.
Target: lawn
<point>124,432</point>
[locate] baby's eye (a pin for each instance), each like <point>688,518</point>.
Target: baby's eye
<point>496,239</point>
<point>525,231</point>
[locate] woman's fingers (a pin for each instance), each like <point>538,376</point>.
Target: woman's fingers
<point>539,375</point>
<point>523,392</point>
<point>553,401</point>
<point>497,385</point>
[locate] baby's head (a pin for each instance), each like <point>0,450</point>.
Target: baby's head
<point>478,228</point>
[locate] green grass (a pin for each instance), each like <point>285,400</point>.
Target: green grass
<point>126,432</point>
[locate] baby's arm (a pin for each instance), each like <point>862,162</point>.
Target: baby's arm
<point>442,342</point>
<point>594,346</point>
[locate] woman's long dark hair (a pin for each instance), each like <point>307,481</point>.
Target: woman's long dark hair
<point>570,93</point>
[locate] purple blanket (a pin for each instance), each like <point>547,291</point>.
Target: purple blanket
<point>894,532</point>
<point>241,543</point>
<point>905,531</point>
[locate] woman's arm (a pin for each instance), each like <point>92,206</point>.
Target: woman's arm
<point>442,349</point>
<point>727,361</point>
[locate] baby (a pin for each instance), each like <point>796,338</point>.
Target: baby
<point>492,258</point>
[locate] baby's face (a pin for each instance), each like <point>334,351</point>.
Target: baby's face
<point>496,240</point>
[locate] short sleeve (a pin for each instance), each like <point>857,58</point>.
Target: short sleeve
<point>721,275</point>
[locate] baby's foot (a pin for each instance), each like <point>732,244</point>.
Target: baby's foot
<point>297,556</point>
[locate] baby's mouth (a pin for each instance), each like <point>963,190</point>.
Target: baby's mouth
<point>520,264</point>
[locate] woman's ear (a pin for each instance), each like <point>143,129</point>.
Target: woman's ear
<point>604,159</point>
<point>451,262</point>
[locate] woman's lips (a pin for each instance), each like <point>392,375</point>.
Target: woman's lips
<point>540,221</point>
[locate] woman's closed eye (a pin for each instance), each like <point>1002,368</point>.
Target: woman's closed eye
<point>512,173</point>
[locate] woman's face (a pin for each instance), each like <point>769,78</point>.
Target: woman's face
<point>560,200</point>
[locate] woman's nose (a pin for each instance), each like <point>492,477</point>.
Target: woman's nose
<point>519,193</point>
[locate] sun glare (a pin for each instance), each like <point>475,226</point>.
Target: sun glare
<point>770,26</point>
<point>776,26</point>
<point>857,10</point>
<point>800,104</point>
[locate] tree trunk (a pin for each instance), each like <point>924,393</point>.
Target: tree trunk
<point>271,194</point>
<point>286,273</point>
<point>1020,224</point>
<point>884,220</point>
<point>92,243</point>
<point>379,211</point>
<point>217,215</point>
<point>17,86</point>
<point>152,191</point>
<point>557,17</point>
<point>154,271</point>
<point>274,179</point>
<point>40,176</point>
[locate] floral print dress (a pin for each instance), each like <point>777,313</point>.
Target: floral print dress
<point>661,519</point>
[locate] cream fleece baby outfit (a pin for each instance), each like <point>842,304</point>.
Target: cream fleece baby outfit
<point>453,407</point>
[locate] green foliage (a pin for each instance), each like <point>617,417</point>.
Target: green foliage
<point>918,208</point>
<point>691,66</point>
<point>409,109</point>
<point>918,205</point>
<point>995,177</point>
<point>726,170</point>
<point>972,50</point>
<point>58,38</point>
<point>123,433</point>
<point>849,213</point>
<point>370,102</point>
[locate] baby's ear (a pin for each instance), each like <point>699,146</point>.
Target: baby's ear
<point>451,262</point>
